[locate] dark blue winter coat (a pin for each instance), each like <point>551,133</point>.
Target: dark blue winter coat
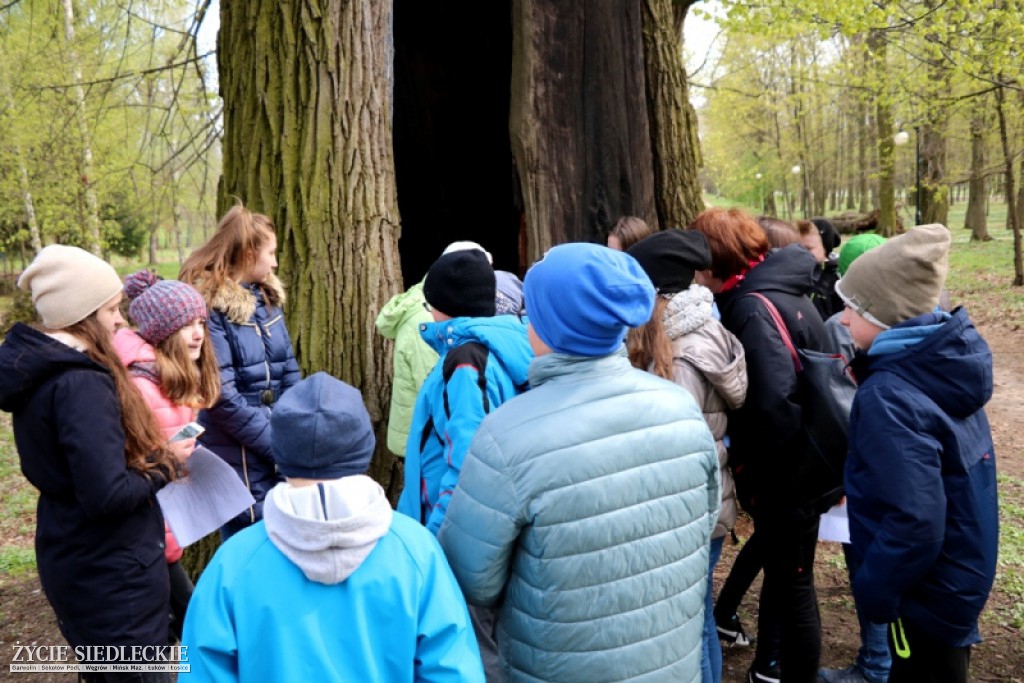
<point>99,532</point>
<point>257,365</point>
<point>921,479</point>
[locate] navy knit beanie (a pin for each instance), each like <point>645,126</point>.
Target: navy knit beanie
<point>320,430</point>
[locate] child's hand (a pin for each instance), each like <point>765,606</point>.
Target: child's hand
<point>182,449</point>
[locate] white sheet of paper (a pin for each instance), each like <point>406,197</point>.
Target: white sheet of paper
<point>835,524</point>
<point>202,502</point>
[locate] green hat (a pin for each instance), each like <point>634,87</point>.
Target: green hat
<point>857,246</point>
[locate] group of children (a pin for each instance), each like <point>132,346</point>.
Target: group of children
<point>575,445</point>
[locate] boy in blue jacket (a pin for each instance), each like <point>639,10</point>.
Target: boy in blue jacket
<point>331,585</point>
<point>484,361</point>
<point>921,471</point>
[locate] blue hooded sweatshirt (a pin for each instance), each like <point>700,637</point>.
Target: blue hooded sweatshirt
<point>921,477</point>
<point>484,362</point>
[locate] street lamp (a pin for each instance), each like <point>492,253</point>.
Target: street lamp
<point>760,191</point>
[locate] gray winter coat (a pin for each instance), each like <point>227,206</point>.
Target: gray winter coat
<point>709,362</point>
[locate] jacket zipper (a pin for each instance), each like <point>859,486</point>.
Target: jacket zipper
<point>245,475</point>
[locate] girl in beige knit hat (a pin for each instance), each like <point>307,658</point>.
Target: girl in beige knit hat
<point>90,445</point>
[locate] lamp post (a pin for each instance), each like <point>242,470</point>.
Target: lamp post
<point>760,192</point>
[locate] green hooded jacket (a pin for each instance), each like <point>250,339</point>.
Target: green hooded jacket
<point>400,320</point>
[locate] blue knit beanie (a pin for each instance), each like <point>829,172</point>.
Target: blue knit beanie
<point>320,430</point>
<point>582,298</point>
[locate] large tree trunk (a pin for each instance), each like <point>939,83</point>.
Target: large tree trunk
<point>307,140</point>
<point>976,220</point>
<point>673,120</point>
<point>862,156</point>
<point>579,119</point>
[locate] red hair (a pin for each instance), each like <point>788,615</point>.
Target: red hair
<point>734,237</point>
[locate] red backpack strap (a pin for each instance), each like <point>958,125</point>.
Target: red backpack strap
<point>780,325</point>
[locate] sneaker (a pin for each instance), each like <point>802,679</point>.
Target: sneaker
<point>731,632</point>
<point>773,674</point>
<point>851,674</point>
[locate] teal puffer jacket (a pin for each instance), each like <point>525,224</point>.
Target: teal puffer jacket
<point>587,505</point>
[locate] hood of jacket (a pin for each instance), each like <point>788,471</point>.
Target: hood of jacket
<point>237,301</point>
<point>29,358</point>
<point>328,529</point>
<point>789,270</point>
<point>503,335</point>
<point>131,348</point>
<point>952,365</point>
<point>400,309</point>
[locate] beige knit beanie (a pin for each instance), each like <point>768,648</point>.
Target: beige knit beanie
<point>900,279</point>
<point>68,284</point>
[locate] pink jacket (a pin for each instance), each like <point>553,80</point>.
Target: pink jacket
<point>133,349</point>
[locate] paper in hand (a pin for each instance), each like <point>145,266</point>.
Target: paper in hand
<point>205,500</point>
<point>835,524</point>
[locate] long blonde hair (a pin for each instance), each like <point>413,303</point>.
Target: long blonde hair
<point>186,382</point>
<point>144,443</point>
<point>649,347</point>
<point>240,235</point>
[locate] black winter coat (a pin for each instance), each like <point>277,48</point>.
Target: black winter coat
<point>764,434</point>
<point>99,533</point>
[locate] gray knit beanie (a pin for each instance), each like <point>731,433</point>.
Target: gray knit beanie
<point>68,284</point>
<point>900,279</point>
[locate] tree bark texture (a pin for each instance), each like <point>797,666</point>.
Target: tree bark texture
<point>884,142</point>
<point>934,190</point>
<point>673,120</point>
<point>579,121</point>
<point>307,88</point>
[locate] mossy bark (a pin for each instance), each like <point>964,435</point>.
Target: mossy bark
<point>673,120</point>
<point>307,90</point>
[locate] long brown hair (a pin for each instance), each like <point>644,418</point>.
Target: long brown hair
<point>649,347</point>
<point>240,235</point>
<point>735,239</point>
<point>186,382</point>
<point>144,443</point>
<point>629,230</point>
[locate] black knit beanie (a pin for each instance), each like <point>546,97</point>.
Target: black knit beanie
<point>461,284</point>
<point>671,257</point>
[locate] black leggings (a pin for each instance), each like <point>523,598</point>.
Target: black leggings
<point>181,593</point>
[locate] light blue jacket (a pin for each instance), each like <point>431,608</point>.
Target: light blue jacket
<point>484,362</point>
<point>255,616</point>
<point>586,505</point>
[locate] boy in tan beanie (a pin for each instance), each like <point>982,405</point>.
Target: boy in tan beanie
<point>920,475</point>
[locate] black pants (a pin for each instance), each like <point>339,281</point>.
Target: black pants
<point>181,593</point>
<point>919,658</point>
<point>745,569</point>
<point>788,625</point>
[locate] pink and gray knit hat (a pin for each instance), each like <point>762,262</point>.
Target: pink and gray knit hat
<point>161,307</point>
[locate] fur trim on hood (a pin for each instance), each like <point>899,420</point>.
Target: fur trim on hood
<point>237,301</point>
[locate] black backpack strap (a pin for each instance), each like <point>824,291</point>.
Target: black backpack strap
<point>473,354</point>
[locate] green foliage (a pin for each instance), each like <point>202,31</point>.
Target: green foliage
<point>16,561</point>
<point>150,122</point>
